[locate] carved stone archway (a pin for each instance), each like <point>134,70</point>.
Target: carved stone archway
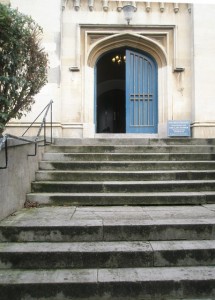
<point>135,41</point>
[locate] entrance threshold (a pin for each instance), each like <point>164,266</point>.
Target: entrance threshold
<point>125,136</point>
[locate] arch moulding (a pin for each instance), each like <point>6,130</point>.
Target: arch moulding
<point>136,41</point>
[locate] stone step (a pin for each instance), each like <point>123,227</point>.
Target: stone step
<point>115,284</point>
<point>122,186</point>
<point>108,199</point>
<point>113,141</point>
<point>80,244</point>
<point>123,254</point>
<point>132,149</point>
<point>125,175</point>
<point>127,165</point>
<point>120,223</point>
<point>128,156</point>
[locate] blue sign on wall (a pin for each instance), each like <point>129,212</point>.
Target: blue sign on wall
<point>178,128</point>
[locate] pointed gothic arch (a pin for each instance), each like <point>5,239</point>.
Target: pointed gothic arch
<point>137,41</point>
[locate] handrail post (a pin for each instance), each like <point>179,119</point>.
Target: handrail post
<point>5,152</point>
<point>44,122</point>
<point>51,121</point>
<point>35,150</point>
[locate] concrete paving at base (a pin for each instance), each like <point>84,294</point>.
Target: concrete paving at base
<point>119,254</point>
<point>79,224</point>
<point>54,215</point>
<point>160,278</point>
<point>106,275</point>
<point>109,284</point>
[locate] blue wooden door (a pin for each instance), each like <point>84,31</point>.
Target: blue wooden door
<point>141,93</point>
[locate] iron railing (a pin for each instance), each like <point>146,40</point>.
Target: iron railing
<point>36,140</point>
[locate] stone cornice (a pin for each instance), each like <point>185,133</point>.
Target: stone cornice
<point>111,5</point>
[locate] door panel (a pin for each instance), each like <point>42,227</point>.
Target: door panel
<point>141,93</point>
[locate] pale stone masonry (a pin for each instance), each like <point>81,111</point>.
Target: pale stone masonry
<point>79,34</point>
<point>5,1</point>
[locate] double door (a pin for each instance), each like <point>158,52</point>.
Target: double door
<point>133,109</point>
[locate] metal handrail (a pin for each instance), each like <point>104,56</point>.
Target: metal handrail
<point>4,141</point>
<point>49,105</point>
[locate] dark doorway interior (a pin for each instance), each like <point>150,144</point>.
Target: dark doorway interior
<point>110,106</point>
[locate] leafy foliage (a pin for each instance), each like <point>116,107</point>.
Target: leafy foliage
<point>23,64</point>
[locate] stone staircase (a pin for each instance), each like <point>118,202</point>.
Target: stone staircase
<point>118,219</point>
<point>127,172</point>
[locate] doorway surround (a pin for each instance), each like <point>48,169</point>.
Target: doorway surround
<point>157,41</point>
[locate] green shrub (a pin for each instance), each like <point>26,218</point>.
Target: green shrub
<point>23,64</point>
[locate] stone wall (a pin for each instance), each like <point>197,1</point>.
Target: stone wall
<point>203,64</point>
<point>85,29</point>
<point>72,29</point>
<point>15,181</point>
<point>5,1</point>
